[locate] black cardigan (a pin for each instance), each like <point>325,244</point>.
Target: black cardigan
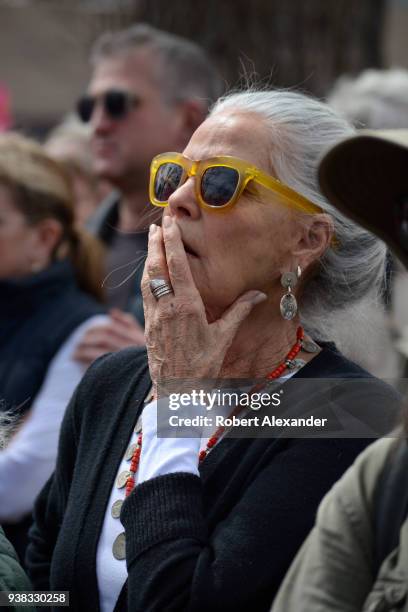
<point>219,542</point>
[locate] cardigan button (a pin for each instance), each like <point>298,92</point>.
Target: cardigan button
<point>119,547</point>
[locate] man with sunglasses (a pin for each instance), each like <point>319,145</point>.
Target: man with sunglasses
<point>148,92</point>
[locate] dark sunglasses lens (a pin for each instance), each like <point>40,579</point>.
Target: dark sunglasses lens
<point>85,107</point>
<point>218,185</point>
<point>116,104</point>
<point>168,178</point>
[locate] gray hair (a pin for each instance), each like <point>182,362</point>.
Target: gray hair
<point>376,99</point>
<point>9,422</point>
<point>337,301</point>
<point>184,69</point>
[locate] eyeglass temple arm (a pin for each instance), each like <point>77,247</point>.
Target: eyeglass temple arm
<point>290,195</point>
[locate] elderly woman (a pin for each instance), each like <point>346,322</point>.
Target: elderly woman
<point>135,521</point>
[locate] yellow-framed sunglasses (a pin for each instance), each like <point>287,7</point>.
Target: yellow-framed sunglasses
<point>220,182</point>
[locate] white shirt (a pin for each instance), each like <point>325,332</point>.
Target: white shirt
<point>29,459</point>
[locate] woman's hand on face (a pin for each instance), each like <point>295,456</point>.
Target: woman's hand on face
<point>181,344</point>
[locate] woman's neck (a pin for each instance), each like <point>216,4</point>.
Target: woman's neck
<point>260,345</point>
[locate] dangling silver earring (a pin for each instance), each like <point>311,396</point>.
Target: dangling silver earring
<point>288,303</point>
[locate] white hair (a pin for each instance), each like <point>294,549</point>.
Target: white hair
<point>337,302</point>
<point>375,99</point>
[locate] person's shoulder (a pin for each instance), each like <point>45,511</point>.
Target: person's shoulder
<point>354,494</point>
<point>99,224</point>
<point>120,366</point>
<point>79,304</point>
<point>331,364</point>
<point>353,499</point>
<point>358,405</point>
<point>108,384</point>
<point>370,464</point>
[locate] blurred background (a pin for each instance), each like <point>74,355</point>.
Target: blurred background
<point>44,44</point>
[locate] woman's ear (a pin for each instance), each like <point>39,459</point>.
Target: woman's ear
<point>315,238</point>
<point>49,234</point>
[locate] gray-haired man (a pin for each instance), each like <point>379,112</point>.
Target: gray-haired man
<point>148,93</point>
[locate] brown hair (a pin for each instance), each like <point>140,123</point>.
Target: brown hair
<point>41,189</point>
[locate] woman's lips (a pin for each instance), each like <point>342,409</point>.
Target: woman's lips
<point>187,247</point>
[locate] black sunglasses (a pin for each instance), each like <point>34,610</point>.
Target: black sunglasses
<point>116,104</point>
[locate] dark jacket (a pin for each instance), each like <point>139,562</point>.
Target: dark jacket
<point>221,541</point>
<point>37,314</point>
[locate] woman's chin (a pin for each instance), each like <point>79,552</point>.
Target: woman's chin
<point>215,304</point>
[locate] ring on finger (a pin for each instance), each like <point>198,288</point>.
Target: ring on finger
<point>160,287</point>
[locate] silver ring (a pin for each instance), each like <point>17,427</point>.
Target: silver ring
<point>160,287</point>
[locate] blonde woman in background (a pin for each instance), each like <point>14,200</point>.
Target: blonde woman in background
<point>70,143</point>
<point>50,294</point>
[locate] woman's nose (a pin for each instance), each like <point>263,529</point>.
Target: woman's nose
<point>183,202</point>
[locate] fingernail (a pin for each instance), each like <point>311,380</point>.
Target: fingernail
<point>152,228</point>
<point>257,297</point>
<point>167,221</point>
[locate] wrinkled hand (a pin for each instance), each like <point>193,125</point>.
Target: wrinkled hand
<point>181,344</point>
<point>122,331</point>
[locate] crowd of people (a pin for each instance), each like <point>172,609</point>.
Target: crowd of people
<point>171,235</point>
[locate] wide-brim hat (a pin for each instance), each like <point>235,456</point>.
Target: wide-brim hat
<point>366,178</point>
